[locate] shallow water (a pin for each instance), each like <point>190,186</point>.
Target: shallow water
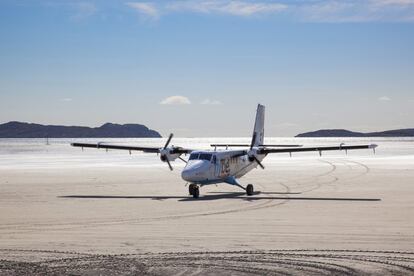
<point>35,153</point>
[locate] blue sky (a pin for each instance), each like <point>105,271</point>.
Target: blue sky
<point>198,68</point>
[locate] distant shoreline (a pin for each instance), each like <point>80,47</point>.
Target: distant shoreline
<point>108,130</point>
<point>343,133</point>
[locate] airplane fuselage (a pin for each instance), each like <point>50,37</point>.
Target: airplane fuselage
<point>211,167</point>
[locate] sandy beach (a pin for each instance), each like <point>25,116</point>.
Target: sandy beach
<point>64,211</point>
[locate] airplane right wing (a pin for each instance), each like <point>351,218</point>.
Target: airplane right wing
<point>248,145</point>
<point>319,149</point>
<point>167,153</point>
<point>117,147</point>
<point>173,150</point>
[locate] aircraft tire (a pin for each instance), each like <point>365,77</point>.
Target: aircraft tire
<point>196,192</point>
<point>249,189</point>
<point>191,189</point>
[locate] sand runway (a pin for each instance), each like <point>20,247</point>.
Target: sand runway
<point>310,215</point>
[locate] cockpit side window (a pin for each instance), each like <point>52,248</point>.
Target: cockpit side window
<point>194,156</point>
<point>205,156</point>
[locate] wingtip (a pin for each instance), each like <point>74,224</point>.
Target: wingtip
<point>373,146</point>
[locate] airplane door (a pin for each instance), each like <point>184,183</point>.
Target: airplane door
<point>223,167</point>
<point>214,166</point>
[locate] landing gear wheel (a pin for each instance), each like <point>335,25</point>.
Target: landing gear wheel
<point>191,189</point>
<point>196,192</point>
<point>249,189</point>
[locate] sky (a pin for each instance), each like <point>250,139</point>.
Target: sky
<point>199,68</point>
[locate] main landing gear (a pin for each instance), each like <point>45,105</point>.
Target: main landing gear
<point>194,190</point>
<point>249,189</point>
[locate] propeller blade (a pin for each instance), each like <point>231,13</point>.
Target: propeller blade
<point>253,140</point>
<point>179,157</point>
<point>258,162</point>
<point>169,164</point>
<point>168,141</point>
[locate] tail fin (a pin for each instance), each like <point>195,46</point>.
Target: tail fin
<point>258,131</point>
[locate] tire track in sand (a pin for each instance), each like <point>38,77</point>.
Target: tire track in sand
<point>270,262</point>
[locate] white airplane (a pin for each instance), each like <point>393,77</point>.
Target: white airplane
<point>223,166</point>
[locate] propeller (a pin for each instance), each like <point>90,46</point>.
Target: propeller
<point>169,164</point>
<point>253,140</point>
<point>168,141</point>
<point>253,156</point>
<point>258,162</point>
<point>165,151</point>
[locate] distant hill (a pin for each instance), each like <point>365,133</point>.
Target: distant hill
<point>108,130</point>
<point>408,132</point>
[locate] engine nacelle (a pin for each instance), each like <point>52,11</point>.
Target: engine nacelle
<point>252,154</point>
<point>165,154</point>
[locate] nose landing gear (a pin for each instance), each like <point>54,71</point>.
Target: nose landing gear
<point>194,190</point>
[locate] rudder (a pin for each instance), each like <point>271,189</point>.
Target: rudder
<point>258,131</point>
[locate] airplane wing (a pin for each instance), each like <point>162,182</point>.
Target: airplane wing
<point>248,145</point>
<point>118,147</point>
<point>175,150</point>
<point>319,149</point>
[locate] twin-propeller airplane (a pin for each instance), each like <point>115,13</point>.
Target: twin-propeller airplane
<point>223,166</point>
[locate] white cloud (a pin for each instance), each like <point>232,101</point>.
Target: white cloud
<point>176,100</point>
<point>211,102</point>
<point>66,99</point>
<point>307,10</point>
<point>384,99</point>
<point>145,9</point>
<point>238,8</point>
<point>355,11</point>
<point>393,2</point>
<point>335,11</point>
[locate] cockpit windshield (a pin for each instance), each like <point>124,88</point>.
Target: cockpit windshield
<point>201,156</point>
<point>194,156</point>
<point>205,156</point>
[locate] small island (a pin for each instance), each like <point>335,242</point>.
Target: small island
<point>407,132</point>
<point>108,130</point>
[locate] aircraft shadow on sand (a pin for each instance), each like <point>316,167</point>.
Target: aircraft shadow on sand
<point>216,196</point>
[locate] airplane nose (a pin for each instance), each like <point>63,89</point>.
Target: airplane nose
<point>195,171</point>
<point>187,175</point>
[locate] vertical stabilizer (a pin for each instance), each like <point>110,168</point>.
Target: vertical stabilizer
<point>258,131</point>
